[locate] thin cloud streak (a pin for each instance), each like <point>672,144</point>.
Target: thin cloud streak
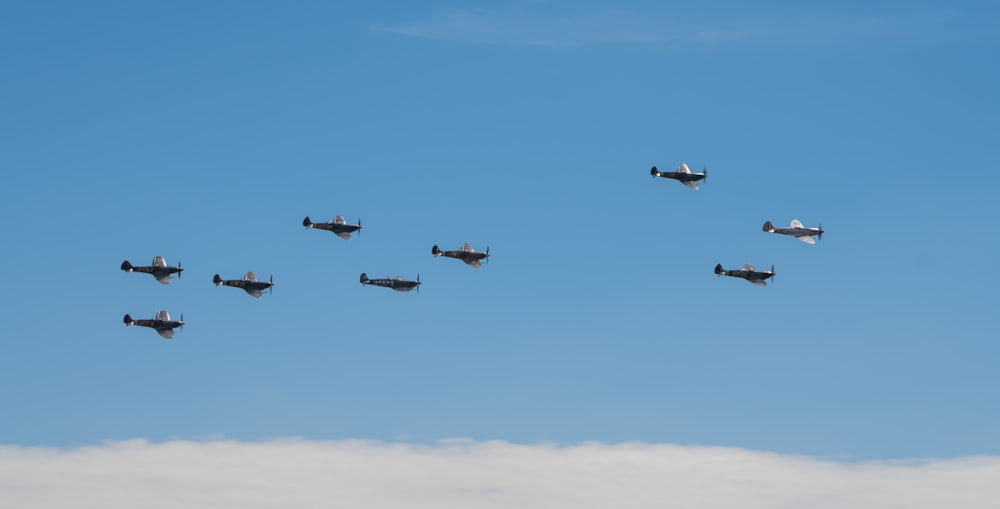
<point>620,27</point>
<point>469,474</point>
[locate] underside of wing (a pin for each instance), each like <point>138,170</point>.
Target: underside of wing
<point>807,239</point>
<point>473,263</point>
<point>250,276</point>
<point>163,315</point>
<point>692,185</point>
<point>683,168</point>
<point>166,333</point>
<point>797,224</point>
<point>339,220</point>
<point>159,261</point>
<point>758,282</point>
<point>343,235</point>
<point>163,278</point>
<point>254,292</point>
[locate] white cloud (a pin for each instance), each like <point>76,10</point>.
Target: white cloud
<point>471,475</point>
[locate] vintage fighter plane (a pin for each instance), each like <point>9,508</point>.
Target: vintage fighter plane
<point>159,269</point>
<point>162,323</point>
<point>466,254</point>
<point>683,174</point>
<point>747,272</point>
<point>249,283</point>
<point>796,230</point>
<point>338,226</point>
<point>398,283</point>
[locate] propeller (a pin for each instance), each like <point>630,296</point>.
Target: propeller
<point>270,281</point>
<point>821,232</point>
<point>772,273</point>
<point>704,170</point>
<point>179,269</point>
<point>359,227</point>
<point>181,326</point>
<point>487,254</point>
<point>418,282</point>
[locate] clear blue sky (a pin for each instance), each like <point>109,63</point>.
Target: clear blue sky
<point>205,131</point>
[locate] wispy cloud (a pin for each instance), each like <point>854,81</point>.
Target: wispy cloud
<point>471,475</point>
<point>519,26</point>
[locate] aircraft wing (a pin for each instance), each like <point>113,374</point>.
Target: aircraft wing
<point>797,224</point>
<point>163,315</point>
<point>163,278</point>
<point>473,263</point>
<point>692,185</point>
<point>166,333</point>
<point>466,248</point>
<point>159,261</point>
<point>807,239</point>
<point>339,220</point>
<point>683,168</point>
<point>254,292</point>
<point>250,276</point>
<point>758,282</point>
<point>343,235</point>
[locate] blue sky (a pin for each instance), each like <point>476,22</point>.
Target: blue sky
<point>205,132</point>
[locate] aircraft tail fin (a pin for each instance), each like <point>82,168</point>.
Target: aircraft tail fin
<point>126,266</point>
<point>654,172</point>
<point>364,278</point>
<point>128,319</point>
<point>307,223</point>
<point>718,269</point>
<point>217,280</point>
<point>768,227</point>
<point>435,251</point>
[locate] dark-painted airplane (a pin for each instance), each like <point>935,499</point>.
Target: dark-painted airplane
<point>747,272</point>
<point>398,283</point>
<point>683,174</point>
<point>466,254</point>
<point>796,230</point>
<point>249,284</point>
<point>159,269</point>
<point>162,323</point>
<point>338,226</point>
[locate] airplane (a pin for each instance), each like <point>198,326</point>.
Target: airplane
<point>747,272</point>
<point>398,283</point>
<point>159,269</point>
<point>249,284</point>
<point>796,230</point>
<point>162,323</point>
<point>683,174</point>
<point>466,254</point>
<point>338,226</point>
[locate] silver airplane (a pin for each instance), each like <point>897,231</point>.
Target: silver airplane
<point>161,322</point>
<point>466,254</point>
<point>159,269</point>
<point>398,283</point>
<point>747,272</point>
<point>249,284</point>
<point>683,174</point>
<point>338,226</point>
<point>796,230</point>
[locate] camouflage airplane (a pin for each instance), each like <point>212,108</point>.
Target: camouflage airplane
<point>159,269</point>
<point>398,283</point>
<point>747,272</point>
<point>796,230</point>
<point>338,226</point>
<point>249,284</point>
<point>683,174</point>
<point>162,323</point>
<point>466,254</point>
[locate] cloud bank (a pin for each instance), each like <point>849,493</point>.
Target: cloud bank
<point>471,475</point>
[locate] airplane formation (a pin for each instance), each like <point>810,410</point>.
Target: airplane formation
<point>163,272</point>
